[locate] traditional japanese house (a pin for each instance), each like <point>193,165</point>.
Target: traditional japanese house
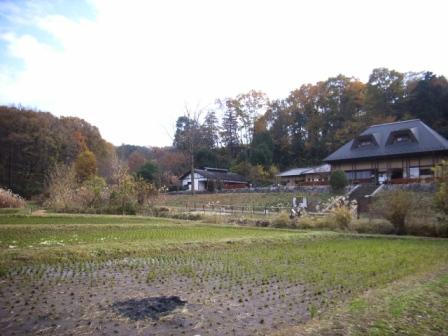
<point>398,152</point>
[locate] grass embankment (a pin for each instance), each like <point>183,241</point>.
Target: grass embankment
<point>238,199</point>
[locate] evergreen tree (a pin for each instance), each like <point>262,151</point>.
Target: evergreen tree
<point>229,129</point>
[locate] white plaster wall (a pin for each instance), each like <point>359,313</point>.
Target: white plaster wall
<point>199,182</point>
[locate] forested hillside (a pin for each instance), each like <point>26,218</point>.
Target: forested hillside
<point>250,133</point>
<point>32,143</point>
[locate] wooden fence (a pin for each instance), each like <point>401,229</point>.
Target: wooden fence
<point>235,210</point>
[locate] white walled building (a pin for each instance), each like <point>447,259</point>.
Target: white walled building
<point>213,178</point>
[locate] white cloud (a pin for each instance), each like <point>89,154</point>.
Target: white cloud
<point>131,70</point>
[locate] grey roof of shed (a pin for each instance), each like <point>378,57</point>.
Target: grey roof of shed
<point>424,139</point>
<point>218,174</point>
<point>325,168</point>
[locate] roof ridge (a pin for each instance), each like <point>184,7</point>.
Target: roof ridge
<point>395,122</point>
<point>442,140</point>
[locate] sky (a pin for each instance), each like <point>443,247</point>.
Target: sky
<point>132,67</point>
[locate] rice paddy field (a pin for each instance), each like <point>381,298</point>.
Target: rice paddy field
<point>106,275</point>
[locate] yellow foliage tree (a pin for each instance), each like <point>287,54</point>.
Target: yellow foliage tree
<point>85,166</point>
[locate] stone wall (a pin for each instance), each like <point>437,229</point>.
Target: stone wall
<point>303,189</point>
<point>416,187</point>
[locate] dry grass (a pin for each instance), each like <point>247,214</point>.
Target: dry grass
<point>10,200</point>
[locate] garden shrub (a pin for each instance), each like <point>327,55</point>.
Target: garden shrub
<point>262,223</point>
<point>125,194</point>
<point>306,222</point>
<point>325,223</point>
<point>160,211</point>
<point>187,216</point>
<point>373,226</point>
<point>338,181</point>
<point>441,196</point>
<point>10,200</point>
<point>396,207</point>
<point>281,220</point>
<point>429,226</point>
<point>342,217</point>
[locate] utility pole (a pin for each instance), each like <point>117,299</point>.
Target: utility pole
<point>192,171</point>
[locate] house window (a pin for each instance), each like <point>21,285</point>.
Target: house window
<point>396,174</point>
<point>365,143</point>
<point>414,172</point>
<point>426,172</point>
<point>359,175</point>
<point>401,139</point>
<point>366,140</point>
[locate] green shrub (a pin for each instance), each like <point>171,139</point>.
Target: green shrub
<point>338,181</point>
<point>441,196</point>
<point>395,206</point>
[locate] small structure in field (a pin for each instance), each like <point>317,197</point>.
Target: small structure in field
<point>213,179</point>
<point>397,153</point>
<point>306,176</point>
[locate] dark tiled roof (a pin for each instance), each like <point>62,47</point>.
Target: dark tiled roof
<point>221,175</point>
<point>424,139</point>
<point>325,168</point>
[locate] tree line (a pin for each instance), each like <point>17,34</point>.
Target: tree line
<point>257,136</point>
<point>250,133</point>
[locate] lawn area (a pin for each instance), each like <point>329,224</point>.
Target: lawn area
<point>137,275</point>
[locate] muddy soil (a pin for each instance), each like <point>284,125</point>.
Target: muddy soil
<point>121,299</point>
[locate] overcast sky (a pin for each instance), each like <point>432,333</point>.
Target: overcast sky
<point>129,67</point>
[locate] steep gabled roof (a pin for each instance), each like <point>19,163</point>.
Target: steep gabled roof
<point>218,174</point>
<point>325,168</point>
<point>422,139</point>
